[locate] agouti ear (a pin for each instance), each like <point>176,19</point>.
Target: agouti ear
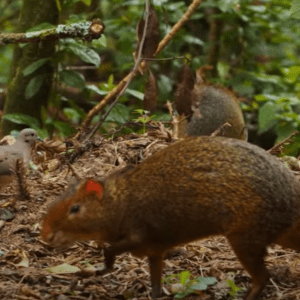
<point>91,186</point>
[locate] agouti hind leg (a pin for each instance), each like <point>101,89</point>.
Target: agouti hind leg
<point>156,263</point>
<point>252,258</point>
<point>290,238</point>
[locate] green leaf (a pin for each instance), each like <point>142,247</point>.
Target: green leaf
<point>101,42</point>
<point>96,90</point>
<point>119,114</point>
<point>34,66</point>
<point>72,2</point>
<point>58,5</point>
<point>257,8</point>
<point>72,114</point>
<point>207,280</point>
<point>180,295</point>
<point>87,2</point>
<point>86,54</point>
<point>23,119</point>
<point>184,276</point>
<point>266,116</point>
<point>41,26</point>
<point>64,128</point>
<point>110,82</point>
<point>295,9</point>
<point>226,5</point>
<point>78,109</point>
<point>72,78</point>
<point>198,286</point>
<point>233,288</point>
<point>292,73</point>
<point>33,86</point>
<point>193,40</point>
<point>136,94</point>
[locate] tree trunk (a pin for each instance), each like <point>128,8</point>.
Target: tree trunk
<point>33,13</point>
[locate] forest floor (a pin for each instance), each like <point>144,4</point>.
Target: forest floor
<point>26,262</point>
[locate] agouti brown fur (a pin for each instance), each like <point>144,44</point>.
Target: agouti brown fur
<point>193,189</point>
<point>203,107</point>
<point>213,107</point>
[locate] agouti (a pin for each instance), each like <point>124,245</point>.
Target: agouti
<point>203,108</point>
<point>196,188</point>
<point>213,107</point>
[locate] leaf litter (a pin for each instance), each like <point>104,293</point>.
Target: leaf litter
<point>30,269</point>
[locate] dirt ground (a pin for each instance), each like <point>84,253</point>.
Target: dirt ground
<point>25,259</point>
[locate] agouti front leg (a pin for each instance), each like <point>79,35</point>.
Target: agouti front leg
<point>109,257</point>
<point>156,263</point>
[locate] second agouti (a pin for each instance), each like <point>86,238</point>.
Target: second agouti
<point>204,108</point>
<point>213,107</point>
<point>196,188</point>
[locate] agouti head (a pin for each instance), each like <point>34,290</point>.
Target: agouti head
<point>68,220</point>
<point>193,189</point>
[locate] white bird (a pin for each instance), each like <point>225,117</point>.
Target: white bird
<point>20,149</point>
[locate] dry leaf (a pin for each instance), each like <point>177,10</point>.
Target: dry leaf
<point>63,269</point>
<point>183,95</point>
<point>150,98</point>
<point>152,34</point>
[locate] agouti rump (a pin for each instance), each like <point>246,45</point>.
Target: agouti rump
<point>196,188</point>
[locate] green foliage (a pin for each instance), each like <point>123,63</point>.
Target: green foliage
<point>189,286</point>
<point>295,9</point>
<point>34,86</point>
<point>23,119</point>
<point>85,53</point>
<point>233,288</point>
<point>72,78</point>
<point>143,118</point>
<point>119,114</point>
<point>34,66</point>
<point>259,56</point>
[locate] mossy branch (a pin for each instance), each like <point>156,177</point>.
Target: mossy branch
<point>86,31</point>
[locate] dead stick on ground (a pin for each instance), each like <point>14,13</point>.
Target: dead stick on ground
<point>110,96</point>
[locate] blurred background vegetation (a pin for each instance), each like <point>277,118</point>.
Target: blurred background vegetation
<point>253,44</point>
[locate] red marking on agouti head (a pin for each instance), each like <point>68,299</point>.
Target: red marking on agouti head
<point>93,186</point>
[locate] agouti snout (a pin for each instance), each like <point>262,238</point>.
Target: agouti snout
<point>193,189</point>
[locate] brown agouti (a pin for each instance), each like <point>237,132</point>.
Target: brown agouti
<point>207,107</point>
<point>213,107</point>
<point>193,189</point>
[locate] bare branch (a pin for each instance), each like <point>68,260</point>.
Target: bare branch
<point>109,97</point>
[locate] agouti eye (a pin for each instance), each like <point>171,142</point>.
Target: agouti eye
<point>74,209</point>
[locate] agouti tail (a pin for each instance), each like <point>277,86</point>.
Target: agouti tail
<point>193,189</point>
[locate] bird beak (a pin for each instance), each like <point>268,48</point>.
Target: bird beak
<point>39,139</point>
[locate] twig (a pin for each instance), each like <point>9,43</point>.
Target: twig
<point>277,148</point>
<point>220,129</point>
<point>108,98</point>
<point>167,58</point>
<point>190,11</point>
<point>131,74</point>
<point>75,174</point>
